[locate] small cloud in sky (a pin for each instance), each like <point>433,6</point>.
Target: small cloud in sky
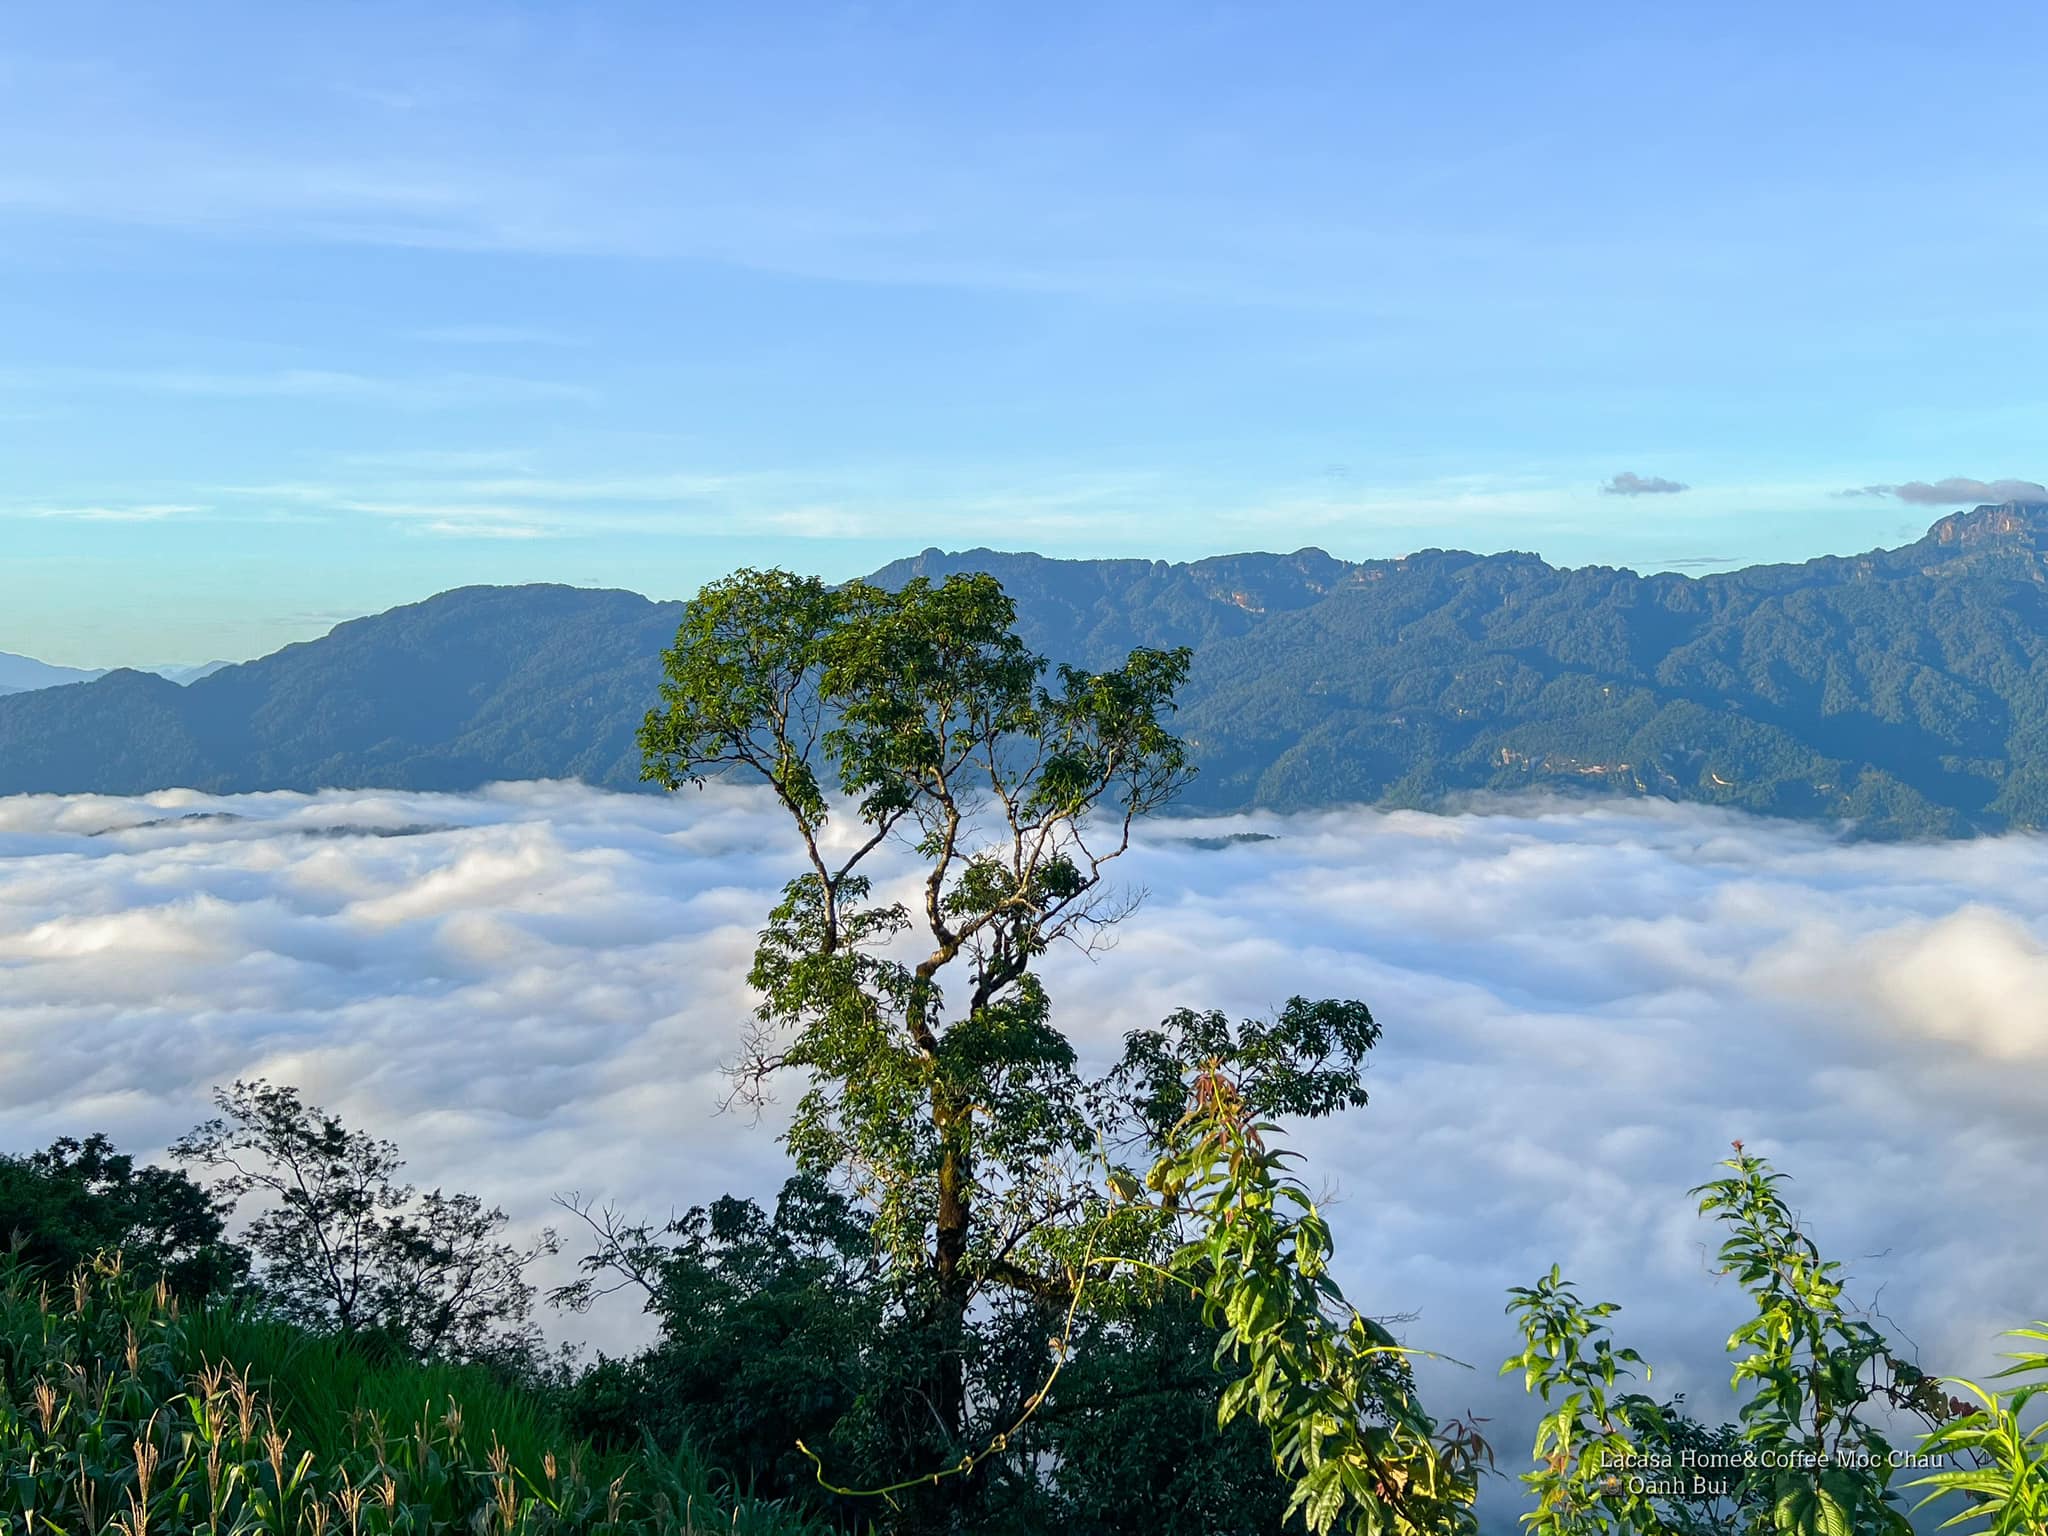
<point>1628,483</point>
<point>462,520</point>
<point>1956,491</point>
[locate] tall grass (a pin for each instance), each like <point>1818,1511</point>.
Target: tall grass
<point>317,1384</point>
<point>121,1412</point>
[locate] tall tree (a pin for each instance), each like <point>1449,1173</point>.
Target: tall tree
<point>939,1088</point>
<point>342,1244</point>
<point>938,1083</point>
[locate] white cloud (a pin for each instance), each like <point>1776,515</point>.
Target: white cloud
<point>532,988</point>
<point>462,520</point>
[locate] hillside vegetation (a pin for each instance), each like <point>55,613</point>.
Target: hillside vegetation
<point>1904,689</point>
<point>123,1410</point>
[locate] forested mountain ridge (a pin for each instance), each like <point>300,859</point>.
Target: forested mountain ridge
<point>1906,689</point>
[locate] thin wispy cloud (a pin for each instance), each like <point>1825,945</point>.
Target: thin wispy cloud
<point>448,512</point>
<point>456,510</point>
<point>1111,508</point>
<point>675,486</point>
<point>146,512</point>
<point>463,520</point>
<point>477,529</point>
<point>422,392</point>
<point>527,169</point>
<point>306,492</point>
<point>440,460</point>
<point>832,223</point>
<point>578,490</point>
<point>859,502</point>
<point>1628,483</point>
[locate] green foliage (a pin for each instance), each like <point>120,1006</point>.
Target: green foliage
<point>74,1199</point>
<point>782,1327</point>
<point>343,1244</point>
<point>1133,1427</point>
<point>1810,1453</point>
<point>122,1412</point>
<point>1609,1460</point>
<point>1815,1371</point>
<point>785,1328</point>
<point>945,1099</point>
<point>938,1087</point>
<point>774,1330</point>
<point>1330,1386</point>
<point>1306,1063</point>
<point>2005,1481</point>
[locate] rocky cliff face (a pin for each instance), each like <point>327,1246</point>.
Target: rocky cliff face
<point>2007,539</point>
<point>2027,519</point>
<point>2015,531</point>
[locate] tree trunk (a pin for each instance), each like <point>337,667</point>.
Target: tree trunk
<point>950,1251</point>
<point>942,1507</point>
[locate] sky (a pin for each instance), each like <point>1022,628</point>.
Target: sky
<point>308,311</point>
<point>532,990</point>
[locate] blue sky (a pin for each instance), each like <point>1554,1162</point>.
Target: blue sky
<point>305,311</point>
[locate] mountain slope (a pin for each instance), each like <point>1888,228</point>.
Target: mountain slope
<point>477,684</point>
<point>1907,689</point>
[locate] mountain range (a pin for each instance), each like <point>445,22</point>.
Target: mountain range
<point>18,674</point>
<point>1903,690</point>
<point>22,674</point>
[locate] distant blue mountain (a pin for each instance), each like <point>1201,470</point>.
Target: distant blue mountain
<point>19,674</point>
<point>188,674</point>
<point>1904,689</point>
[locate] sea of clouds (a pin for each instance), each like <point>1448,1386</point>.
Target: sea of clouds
<point>532,989</point>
